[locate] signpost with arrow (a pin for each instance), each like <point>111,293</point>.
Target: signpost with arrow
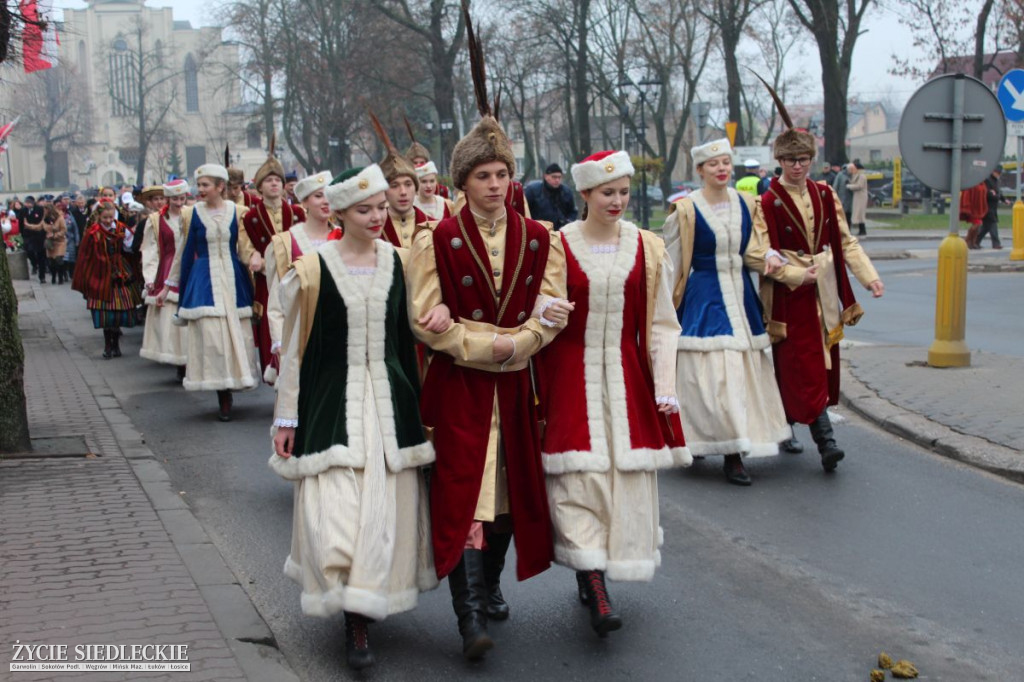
<point>1011,99</point>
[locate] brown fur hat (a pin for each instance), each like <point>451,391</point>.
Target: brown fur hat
<point>270,167</point>
<point>236,176</point>
<point>486,142</point>
<point>393,165</point>
<point>416,150</point>
<point>794,142</point>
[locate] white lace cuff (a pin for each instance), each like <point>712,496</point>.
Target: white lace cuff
<point>274,347</point>
<point>668,400</point>
<point>170,283</point>
<point>773,252</point>
<point>547,304</point>
<point>287,423</point>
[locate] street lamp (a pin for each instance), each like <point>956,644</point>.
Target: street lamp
<point>645,221</point>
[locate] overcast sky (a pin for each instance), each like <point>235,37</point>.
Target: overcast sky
<point>870,79</point>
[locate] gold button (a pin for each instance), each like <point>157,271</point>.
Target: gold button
<point>610,168</point>
<point>364,183</point>
<point>714,147</point>
<point>320,180</point>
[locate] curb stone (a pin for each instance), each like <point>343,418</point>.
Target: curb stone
<point>936,437</point>
<point>241,625</point>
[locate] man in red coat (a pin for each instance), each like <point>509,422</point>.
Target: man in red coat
<point>807,296</point>
<point>489,265</point>
<point>272,215</point>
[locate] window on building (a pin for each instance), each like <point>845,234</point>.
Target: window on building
<point>194,158</point>
<point>875,155</point>
<point>252,136</point>
<point>191,84</point>
<point>124,88</point>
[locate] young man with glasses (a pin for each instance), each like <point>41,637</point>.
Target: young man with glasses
<point>806,293</point>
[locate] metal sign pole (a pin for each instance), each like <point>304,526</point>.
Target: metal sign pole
<point>949,348</point>
<point>1017,225</point>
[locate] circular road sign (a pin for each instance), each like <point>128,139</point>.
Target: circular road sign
<point>1011,94</point>
<point>926,133</point>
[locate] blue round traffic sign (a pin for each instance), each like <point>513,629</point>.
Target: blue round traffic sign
<point>1011,95</point>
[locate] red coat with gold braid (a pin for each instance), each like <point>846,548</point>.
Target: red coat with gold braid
<point>458,395</point>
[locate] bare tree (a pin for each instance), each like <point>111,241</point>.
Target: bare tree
<point>257,28</point>
<point>440,27</point>
<point>141,88</point>
<point>940,28</point>
<point>776,35</point>
<point>676,41</point>
<point>56,112</point>
<point>730,18</point>
<point>836,26</point>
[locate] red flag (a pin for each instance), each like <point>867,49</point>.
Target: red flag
<point>39,44</point>
<point>6,129</point>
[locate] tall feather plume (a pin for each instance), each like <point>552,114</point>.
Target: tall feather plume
<point>476,64</point>
<point>497,103</point>
<point>778,101</point>
<point>408,128</point>
<point>382,134</point>
<point>227,157</point>
<point>273,142</point>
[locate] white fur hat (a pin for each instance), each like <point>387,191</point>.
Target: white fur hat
<point>312,183</point>
<point>175,188</point>
<point>212,170</point>
<point>710,150</point>
<point>354,186</point>
<point>601,167</point>
<point>425,169</point>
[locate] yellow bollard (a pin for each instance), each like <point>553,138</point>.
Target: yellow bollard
<point>1018,231</point>
<point>949,348</point>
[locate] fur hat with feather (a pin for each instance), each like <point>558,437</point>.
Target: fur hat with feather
<point>486,142</point>
<point>393,165</point>
<point>792,142</point>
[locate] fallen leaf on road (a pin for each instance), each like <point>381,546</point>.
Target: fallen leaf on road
<point>884,661</point>
<point>905,670</point>
<point>877,676</point>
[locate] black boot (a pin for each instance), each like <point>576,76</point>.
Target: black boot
<point>469,599</point>
<point>821,432</point>
<point>735,472</point>
<point>581,587</point>
<point>181,372</point>
<point>494,563</point>
<point>225,402</point>
<point>791,444</point>
<point>358,654</point>
<point>115,342</point>
<point>602,618</point>
<point>108,344</point>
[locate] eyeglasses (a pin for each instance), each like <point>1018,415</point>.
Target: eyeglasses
<point>799,161</point>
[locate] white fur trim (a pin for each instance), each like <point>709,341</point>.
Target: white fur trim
<point>366,337</point>
<point>590,174</point>
<point>212,170</point>
<point>292,569</point>
<point>574,460</point>
<point>581,559</point>
<point>295,468</point>
<point>166,358</point>
<point>602,361</point>
<point>743,446</point>
<point>347,598</point>
<point>175,188</point>
<point>636,570</point>
<point>425,169</point>
<point>219,270</point>
<point>218,384</point>
<point>681,457</point>
<point>710,150</point>
<point>359,187</point>
<point>270,375</point>
<point>729,270</point>
<point>312,183</point>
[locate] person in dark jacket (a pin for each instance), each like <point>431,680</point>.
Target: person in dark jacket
<point>550,200</point>
<point>990,223</point>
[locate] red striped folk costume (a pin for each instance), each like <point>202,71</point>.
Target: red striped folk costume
<point>163,341</point>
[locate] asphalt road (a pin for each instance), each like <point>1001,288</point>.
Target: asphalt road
<point>801,577</point>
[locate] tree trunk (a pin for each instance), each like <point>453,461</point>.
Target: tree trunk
<point>730,41</point>
<point>835,86</point>
<point>979,39</point>
<point>581,89</point>
<point>14,435</point>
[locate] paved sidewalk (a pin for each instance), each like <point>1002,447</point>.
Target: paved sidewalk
<point>96,547</point>
<point>973,413</point>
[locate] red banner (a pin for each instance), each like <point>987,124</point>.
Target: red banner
<point>39,40</point>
